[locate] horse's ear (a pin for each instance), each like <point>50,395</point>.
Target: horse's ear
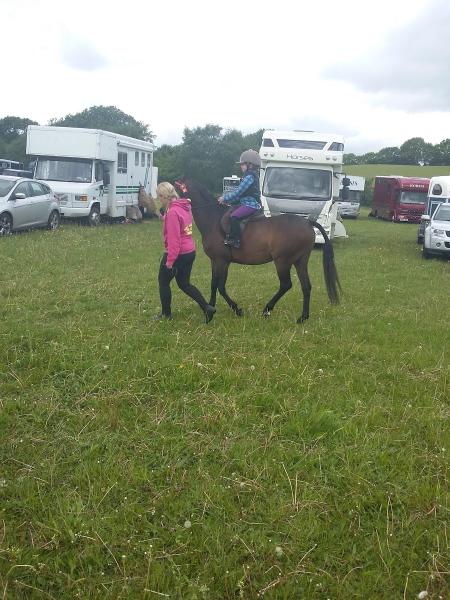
<point>181,186</point>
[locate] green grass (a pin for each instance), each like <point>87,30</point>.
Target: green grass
<point>403,170</point>
<point>244,458</point>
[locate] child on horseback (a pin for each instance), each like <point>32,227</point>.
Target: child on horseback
<point>246,196</point>
<point>179,256</point>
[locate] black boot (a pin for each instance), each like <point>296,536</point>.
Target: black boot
<point>235,233</point>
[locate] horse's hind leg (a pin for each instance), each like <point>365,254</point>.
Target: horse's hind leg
<point>284,275</point>
<point>301,267</point>
<point>221,274</point>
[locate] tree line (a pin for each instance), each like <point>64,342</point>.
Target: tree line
<point>414,151</point>
<point>206,153</point>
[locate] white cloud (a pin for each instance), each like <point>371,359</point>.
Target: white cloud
<point>177,64</point>
<point>81,54</point>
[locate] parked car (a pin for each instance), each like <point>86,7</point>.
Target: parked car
<point>437,232</point>
<point>26,203</point>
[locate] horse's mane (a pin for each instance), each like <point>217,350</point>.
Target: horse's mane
<point>202,190</point>
<point>199,193</point>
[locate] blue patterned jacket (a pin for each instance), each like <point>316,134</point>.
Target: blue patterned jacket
<point>247,193</point>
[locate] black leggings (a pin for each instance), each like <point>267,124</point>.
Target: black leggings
<point>182,268</point>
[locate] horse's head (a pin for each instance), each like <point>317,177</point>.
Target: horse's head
<point>196,192</point>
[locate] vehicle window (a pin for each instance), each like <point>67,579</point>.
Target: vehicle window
<point>37,189</point>
<point>300,184</point>
<point>148,160</point>
<point>98,171</point>
<point>6,186</point>
<point>136,159</point>
<point>23,188</point>
<point>142,159</point>
<point>442,213</point>
<point>77,170</point>
<point>122,162</point>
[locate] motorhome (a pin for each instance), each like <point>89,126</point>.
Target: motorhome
<point>300,174</point>
<point>92,172</point>
<point>438,193</point>
<point>400,199</point>
<point>350,208</point>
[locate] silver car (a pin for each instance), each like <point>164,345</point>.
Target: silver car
<point>26,203</point>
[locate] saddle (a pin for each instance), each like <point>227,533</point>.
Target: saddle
<point>225,220</point>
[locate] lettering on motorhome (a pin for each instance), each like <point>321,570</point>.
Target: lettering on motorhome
<point>298,157</point>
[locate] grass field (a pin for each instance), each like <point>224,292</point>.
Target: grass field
<point>242,459</point>
<point>403,170</point>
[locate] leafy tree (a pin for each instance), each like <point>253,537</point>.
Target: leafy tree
<point>369,158</point>
<point>388,156</point>
<point>12,127</point>
<point>415,151</point>
<point>351,159</point>
<point>441,153</point>
<point>13,139</point>
<point>108,118</point>
<point>167,159</point>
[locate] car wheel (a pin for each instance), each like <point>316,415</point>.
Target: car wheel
<point>53,220</point>
<point>94,217</point>
<point>6,224</point>
<point>425,253</point>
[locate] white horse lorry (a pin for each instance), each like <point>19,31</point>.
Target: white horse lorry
<point>300,174</point>
<point>350,208</point>
<point>92,172</point>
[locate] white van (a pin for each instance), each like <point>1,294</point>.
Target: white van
<point>300,174</point>
<point>350,208</point>
<point>92,172</point>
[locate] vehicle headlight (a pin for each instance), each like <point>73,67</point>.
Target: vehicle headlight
<point>438,232</point>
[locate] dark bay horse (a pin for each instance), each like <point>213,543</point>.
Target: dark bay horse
<point>284,239</point>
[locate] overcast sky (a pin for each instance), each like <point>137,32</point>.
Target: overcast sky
<point>376,72</point>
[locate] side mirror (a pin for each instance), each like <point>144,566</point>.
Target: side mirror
<point>18,196</point>
<point>346,182</point>
<point>425,218</point>
<point>106,179</point>
<point>345,193</point>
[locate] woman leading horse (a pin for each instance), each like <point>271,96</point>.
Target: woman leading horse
<point>287,240</point>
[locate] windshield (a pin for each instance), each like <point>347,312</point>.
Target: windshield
<point>413,198</point>
<point>64,169</point>
<point>442,213</point>
<point>6,186</point>
<point>299,184</point>
<point>353,196</point>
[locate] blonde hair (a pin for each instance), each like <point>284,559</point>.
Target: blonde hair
<point>166,190</point>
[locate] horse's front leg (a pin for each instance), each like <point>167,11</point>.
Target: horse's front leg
<point>214,285</point>
<point>220,272</point>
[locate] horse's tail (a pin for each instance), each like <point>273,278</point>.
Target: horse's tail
<point>329,268</point>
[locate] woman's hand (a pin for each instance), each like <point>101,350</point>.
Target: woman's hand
<point>220,200</point>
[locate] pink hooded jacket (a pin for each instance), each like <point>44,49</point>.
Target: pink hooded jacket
<point>178,230</point>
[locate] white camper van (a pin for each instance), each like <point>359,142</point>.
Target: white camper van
<point>300,174</point>
<point>92,172</point>
<point>350,208</point>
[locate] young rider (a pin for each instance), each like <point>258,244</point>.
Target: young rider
<point>246,196</point>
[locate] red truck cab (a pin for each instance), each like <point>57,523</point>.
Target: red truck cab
<point>400,199</point>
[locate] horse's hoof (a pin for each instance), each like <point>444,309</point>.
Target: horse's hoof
<point>239,312</point>
<point>266,313</point>
<point>302,319</point>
